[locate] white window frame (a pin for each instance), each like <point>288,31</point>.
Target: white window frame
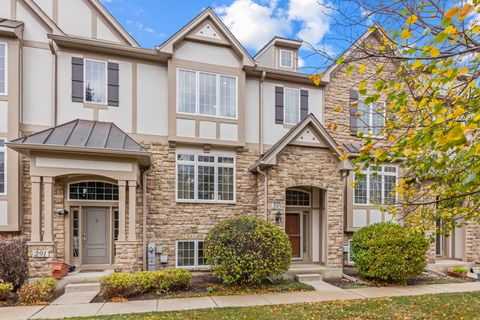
<point>87,200</point>
<point>280,59</point>
<point>214,164</point>
<point>285,108</point>
<point>197,93</point>
<point>85,81</point>
<point>350,253</point>
<point>195,250</point>
<point>382,173</point>
<point>4,150</point>
<point>370,117</point>
<point>6,69</point>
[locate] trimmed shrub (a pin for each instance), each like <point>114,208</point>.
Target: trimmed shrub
<point>6,289</point>
<point>123,285</point>
<point>171,280</point>
<point>39,292</point>
<point>389,252</point>
<point>13,262</point>
<point>247,250</point>
<point>117,285</point>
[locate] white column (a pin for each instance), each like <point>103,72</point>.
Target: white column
<point>132,210</point>
<point>48,209</point>
<point>36,210</point>
<point>121,209</point>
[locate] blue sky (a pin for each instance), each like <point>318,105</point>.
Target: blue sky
<point>253,22</point>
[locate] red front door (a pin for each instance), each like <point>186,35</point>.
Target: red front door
<point>292,228</point>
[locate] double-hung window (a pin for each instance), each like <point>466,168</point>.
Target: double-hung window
<point>3,158</point>
<point>286,59</point>
<point>205,178</point>
<point>3,68</point>
<point>95,85</point>
<point>291,102</point>
<point>190,254</point>
<point>376,185</point>
<point>206,93</point>
<point>372,118</point>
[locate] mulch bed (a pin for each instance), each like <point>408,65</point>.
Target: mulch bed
<point>425,278</point>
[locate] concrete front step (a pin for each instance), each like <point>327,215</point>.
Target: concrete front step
<point>308,277</point>
<point>327,273</point>
<point>82,287</point>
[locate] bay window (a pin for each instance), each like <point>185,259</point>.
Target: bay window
<point>205,178</point>
<point>376,185</point>
<point>206,94</point>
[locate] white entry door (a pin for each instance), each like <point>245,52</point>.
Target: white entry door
<point>96,238</point>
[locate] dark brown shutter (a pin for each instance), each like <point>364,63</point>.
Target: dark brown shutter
<point>303,104</point>
<point>113,84</point>
<point>77,79</point>
<point>279,105</point>
<point>353,111</point>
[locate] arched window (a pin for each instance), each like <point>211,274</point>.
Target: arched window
<point>93,190</point>
<point>297,198</point>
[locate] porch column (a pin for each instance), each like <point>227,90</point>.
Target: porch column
<point>132,210</point>
<point>48,209</point>
<point>36,203</point>
<point>121,209</point>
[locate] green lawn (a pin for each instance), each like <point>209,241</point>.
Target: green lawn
<point>439,306</point>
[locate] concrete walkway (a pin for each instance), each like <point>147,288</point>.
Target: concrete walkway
<point>323,292</point>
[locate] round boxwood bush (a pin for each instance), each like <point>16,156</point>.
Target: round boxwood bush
<point>246,250</point>
<point>389,252</point>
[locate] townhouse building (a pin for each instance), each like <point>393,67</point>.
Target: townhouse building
<point>107,148</point>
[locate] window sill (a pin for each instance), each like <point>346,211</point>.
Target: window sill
<point>95,105</point>
<point>204,202</point>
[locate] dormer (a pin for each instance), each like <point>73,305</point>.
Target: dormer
<point>280,53</point>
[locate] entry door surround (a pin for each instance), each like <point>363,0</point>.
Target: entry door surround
<point>95,235</point>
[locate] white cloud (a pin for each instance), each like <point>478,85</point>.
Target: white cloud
<point>254,24</point>
<point>314,19</point>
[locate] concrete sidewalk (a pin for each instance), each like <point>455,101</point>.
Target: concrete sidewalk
<point>323,292</point>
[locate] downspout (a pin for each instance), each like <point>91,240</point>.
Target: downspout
<point>144,215</point>
<point>55,80</point>
<point>260,113</point>
<point>265,190</point>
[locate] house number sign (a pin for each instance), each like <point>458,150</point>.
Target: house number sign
<point>39,254</point>
<point>277,206</point>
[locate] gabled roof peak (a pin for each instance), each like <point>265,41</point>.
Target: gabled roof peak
<point>168,45</point>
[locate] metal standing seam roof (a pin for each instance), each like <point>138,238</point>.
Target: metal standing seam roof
<point>84,134</point>
<point>7,23</point>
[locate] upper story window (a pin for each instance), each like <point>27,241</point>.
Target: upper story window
<point>291,105</point>
<point>206,93</point>
<point>376,185</point>
<point>3,68</point>
<point>297,198</point>
<point>93,190</point>
<point>372,118</point>
<point>2,167</point>
<point>205,178</point>
<point>95,81</point>
<point>286,59</point>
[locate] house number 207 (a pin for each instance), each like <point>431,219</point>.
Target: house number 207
<point>40,254</point>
